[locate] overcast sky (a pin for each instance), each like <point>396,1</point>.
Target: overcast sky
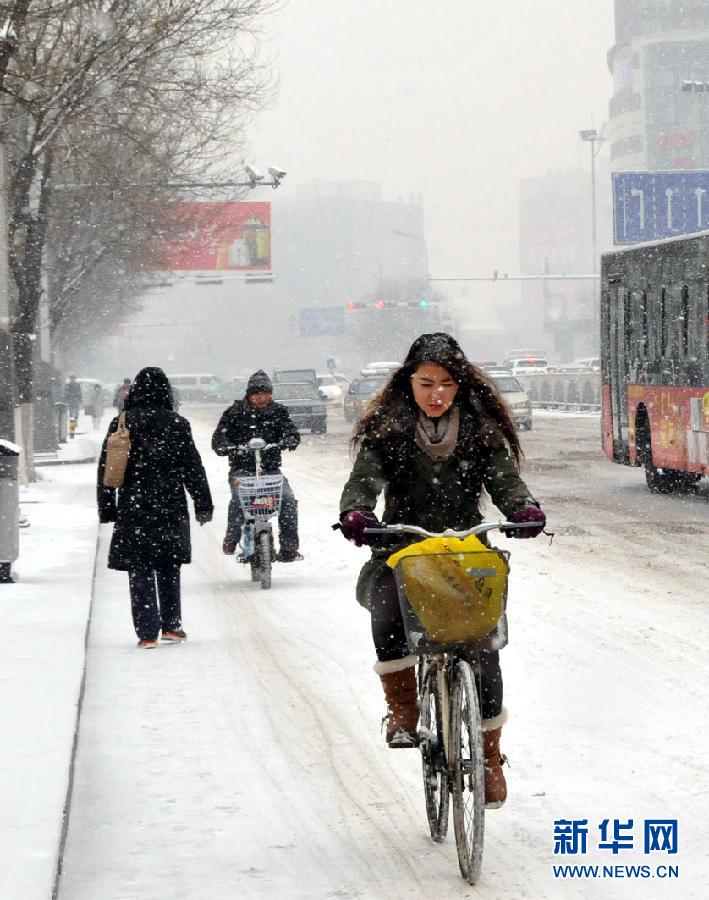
<point>451,99</point>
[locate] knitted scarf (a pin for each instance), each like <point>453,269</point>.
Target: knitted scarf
<point>438,437</point>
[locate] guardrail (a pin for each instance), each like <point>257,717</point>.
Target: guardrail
<point>557,390</point>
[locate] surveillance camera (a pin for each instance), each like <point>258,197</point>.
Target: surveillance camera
<point>253,173</point>
<point>275,172</point>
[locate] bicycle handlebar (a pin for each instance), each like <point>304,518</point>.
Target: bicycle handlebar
<point>231,447</point>
<point>481,528</point>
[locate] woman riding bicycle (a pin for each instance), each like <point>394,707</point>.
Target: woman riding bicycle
<point>436,436</point>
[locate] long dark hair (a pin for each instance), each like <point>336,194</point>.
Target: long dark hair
<point>477,393</point>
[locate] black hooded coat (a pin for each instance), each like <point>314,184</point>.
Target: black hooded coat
<point>150,511</point>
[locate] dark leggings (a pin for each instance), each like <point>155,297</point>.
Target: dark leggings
<point>390,641</point>
<point>155,601</point>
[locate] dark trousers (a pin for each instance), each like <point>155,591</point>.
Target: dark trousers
<point>390,642</point>
<point>155,601</point>
<point>287,517</point>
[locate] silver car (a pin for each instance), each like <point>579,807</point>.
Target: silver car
<point>516,399</point>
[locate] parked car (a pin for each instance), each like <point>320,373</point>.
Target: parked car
<point>198,388</point>
<point>234,388</point>
<point>516,399</point>
<point>380,368</point>
<point>294,376</point>
<point>593,363</point>
<point>329,386</point>
<point>304,404</point>
<point>359,393</point>
<point>496,369</point>
<point>528,365</point>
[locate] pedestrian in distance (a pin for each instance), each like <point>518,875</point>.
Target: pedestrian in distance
<point>120,394</point>
<point>96,405</point>
<point>72,396</point>
<point>151,536</point>
<point>437,437</point>
<point>258,416</point>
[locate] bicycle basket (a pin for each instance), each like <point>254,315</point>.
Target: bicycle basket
<point>260,495</point>
<point>451,591</point>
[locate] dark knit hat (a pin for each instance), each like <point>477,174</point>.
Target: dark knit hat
<point>259,383</point>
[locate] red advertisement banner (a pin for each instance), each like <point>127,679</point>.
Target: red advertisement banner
<point>214,236</point>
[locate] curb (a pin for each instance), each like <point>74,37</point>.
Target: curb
<point>66,811</point>
<point>64,462</point>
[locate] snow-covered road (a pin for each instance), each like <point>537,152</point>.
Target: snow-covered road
<point>248,762</point>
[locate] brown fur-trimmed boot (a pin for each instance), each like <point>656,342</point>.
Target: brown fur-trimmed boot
<point>400,689</point>
<point>495,784</point>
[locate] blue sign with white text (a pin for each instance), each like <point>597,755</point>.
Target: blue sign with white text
<point>649,206</point>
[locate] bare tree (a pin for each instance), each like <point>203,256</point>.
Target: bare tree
<point>171,81</point>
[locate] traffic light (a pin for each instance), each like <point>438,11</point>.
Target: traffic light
<point>423,304</point>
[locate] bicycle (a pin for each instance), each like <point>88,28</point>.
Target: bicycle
<point>467,582</point>
<point>260,501</point>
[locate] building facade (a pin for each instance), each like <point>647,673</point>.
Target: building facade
<point>654,125</point>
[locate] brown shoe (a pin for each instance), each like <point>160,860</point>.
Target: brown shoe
<point>228,547</point>
<point>174,636</point>
<point>147,645</point>
<point>401,692</point>
<point>495,784</point>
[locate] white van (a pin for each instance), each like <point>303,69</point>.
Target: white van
<point>197,388</point>
<point>528,365</point>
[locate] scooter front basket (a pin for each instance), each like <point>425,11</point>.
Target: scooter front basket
<point>260,495</point>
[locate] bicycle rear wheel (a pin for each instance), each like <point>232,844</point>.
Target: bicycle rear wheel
<point>264,551</point>
<point>433,757</point>
<point>467,769</point>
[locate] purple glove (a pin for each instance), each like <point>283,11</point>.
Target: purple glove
<point>528,514</point>
<point>353,524</point>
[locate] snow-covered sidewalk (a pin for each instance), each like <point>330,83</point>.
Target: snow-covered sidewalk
<point>44,617</point>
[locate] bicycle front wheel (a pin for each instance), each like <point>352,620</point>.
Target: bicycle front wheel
<point>264,548</point>
<point>433,756</point>
<point>467,768</point>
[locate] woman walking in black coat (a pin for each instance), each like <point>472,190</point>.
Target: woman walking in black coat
<point>151,537</point>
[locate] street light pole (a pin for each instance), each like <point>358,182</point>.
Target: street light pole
<point>591,136</point>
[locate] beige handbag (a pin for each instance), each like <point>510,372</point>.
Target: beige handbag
<point>117,452</point>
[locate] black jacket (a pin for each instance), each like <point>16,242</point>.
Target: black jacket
<point>390,460</point>
<point>243,421</point>
<point>151,515</point>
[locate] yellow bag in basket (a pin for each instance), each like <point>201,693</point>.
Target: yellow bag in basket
<point>456,587</point>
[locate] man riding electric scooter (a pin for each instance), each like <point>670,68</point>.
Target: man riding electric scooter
<point>258,416</point>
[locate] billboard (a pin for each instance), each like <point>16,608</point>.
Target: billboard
<point>649,206</point>
<point>214,236</point>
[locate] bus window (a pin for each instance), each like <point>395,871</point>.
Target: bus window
<point>684,315</point>
<point>627,323</point>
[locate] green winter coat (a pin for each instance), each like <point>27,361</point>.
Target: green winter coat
<point>390,461</point>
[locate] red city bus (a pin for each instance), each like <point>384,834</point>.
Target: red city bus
<point>655,360</point>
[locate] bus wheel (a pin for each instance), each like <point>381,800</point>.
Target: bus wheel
<point>667,481</point>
